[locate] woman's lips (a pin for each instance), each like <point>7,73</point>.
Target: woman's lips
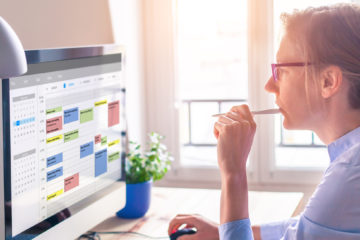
<point>280,109</point>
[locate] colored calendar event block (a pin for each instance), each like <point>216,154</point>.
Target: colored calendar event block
<point>103,141</point>
<point>54,174</point>
<point>69,136</point>
<point>53,110</point>
<point>99,103</point>
<point>55,194</point>
<point>71,115</point>
<point>98,139</point>
<point>54,139</point>
<point>71,182</point>
<point>114,156</point>
<point>100,162</point>
<point>53,160</point>
<point>86,149</point>
<point>117,141</point>
<point>86,115</point>
<point>53,124</point>
<point>113,113</point>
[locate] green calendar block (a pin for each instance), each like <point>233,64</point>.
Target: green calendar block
<point>114,156</point>
<point>53,110</point>
<point>69,136</point>
<point>86,115</point>
<point>103,141</point>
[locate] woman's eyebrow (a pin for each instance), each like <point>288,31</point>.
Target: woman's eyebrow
<point>278,60</point>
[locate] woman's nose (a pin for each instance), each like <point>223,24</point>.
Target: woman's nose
<point>271,86</point>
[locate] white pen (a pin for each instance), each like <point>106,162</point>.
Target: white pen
<point>267,111</point>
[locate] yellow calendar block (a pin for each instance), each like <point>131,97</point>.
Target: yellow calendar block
<point>99,103</point>
<point>53,139</point>
<point>114,143</point>
<point>55,194</point>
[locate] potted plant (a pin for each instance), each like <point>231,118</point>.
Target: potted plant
<point>141,170</point>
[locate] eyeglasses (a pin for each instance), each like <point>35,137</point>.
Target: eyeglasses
<point>275,72</point>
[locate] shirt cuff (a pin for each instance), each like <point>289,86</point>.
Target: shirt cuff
<point>276,230</point>
<point>271,231</point>
<point>239,229</point>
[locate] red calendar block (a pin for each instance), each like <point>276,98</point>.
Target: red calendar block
<point>113,113</point>
<point>71,182</point>
<point>53,124</point>
<point>98,139</point>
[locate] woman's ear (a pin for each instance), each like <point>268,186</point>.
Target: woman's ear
<point>331,80</point>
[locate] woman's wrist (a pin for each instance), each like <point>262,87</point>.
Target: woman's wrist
<point>234,198</point>
<point>256,232</point>
<point>234,178</point>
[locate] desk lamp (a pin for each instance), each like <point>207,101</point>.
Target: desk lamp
<point>12,55</point>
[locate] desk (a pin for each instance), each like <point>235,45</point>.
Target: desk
<point>167,202</point>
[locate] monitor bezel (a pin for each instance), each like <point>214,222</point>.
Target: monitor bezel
<point>35,57</point>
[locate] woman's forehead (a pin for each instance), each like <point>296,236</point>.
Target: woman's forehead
<point>289,51</point>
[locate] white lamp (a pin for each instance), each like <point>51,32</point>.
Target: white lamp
<point>12,54</point>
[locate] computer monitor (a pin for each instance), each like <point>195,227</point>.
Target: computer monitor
<point>64,141</point>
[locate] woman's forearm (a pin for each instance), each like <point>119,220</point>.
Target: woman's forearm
<point>256,232</point>
<point>234,198</point>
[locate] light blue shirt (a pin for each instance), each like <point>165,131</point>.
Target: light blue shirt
<point>333,212</point>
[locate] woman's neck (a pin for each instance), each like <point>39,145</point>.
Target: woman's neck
<point>336,124</point>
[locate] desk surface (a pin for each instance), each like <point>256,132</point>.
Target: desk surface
<point>167,202</point>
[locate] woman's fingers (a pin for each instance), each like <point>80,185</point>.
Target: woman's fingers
<point>234,132</point>
<point>217,129</point>
<point>242,112</point>
<point>205,228</point>
<point>179,220</point>
<point>223,120</point>
<point>238,113</point>
<point>188,237</point>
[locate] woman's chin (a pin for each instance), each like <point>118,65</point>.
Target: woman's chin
<point>288,124</point>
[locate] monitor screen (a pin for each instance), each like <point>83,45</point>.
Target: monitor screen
<point>64,134</point>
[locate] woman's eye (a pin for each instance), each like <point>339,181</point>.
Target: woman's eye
<point>280,73</point>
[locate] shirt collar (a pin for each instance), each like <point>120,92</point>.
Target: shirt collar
<point>343,143</point>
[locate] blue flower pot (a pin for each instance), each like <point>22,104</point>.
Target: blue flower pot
<point>138,197</point>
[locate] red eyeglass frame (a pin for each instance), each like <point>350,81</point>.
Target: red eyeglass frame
<point>293,64</point>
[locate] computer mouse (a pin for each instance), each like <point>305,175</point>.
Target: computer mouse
<point>181,232</point>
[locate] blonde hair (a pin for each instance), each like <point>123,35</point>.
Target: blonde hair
<point>329,35</point>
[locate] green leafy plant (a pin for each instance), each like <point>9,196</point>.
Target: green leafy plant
<point>154,164</point>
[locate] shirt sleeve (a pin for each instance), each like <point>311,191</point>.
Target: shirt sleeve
<point>276,230</point>
<point>306,229</point>
<point>239,229</point>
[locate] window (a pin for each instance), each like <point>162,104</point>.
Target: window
<point>203,58</point>
<point>212,71</point>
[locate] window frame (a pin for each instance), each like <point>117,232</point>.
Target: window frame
<point>162,100</point>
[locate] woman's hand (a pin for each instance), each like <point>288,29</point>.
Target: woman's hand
<point>235,133</point>
<point>206,229</point>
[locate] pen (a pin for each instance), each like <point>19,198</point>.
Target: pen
<point>267,111</point>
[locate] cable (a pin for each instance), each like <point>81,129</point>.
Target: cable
<point>96,235</point>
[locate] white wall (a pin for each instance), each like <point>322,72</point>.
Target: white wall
<point>65,23</point>
<point>128,30</point>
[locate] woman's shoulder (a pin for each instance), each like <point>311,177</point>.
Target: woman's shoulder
<point>349,158</point>
<point>335,200</point>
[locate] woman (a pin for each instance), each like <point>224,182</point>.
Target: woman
<point>317,87</point>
